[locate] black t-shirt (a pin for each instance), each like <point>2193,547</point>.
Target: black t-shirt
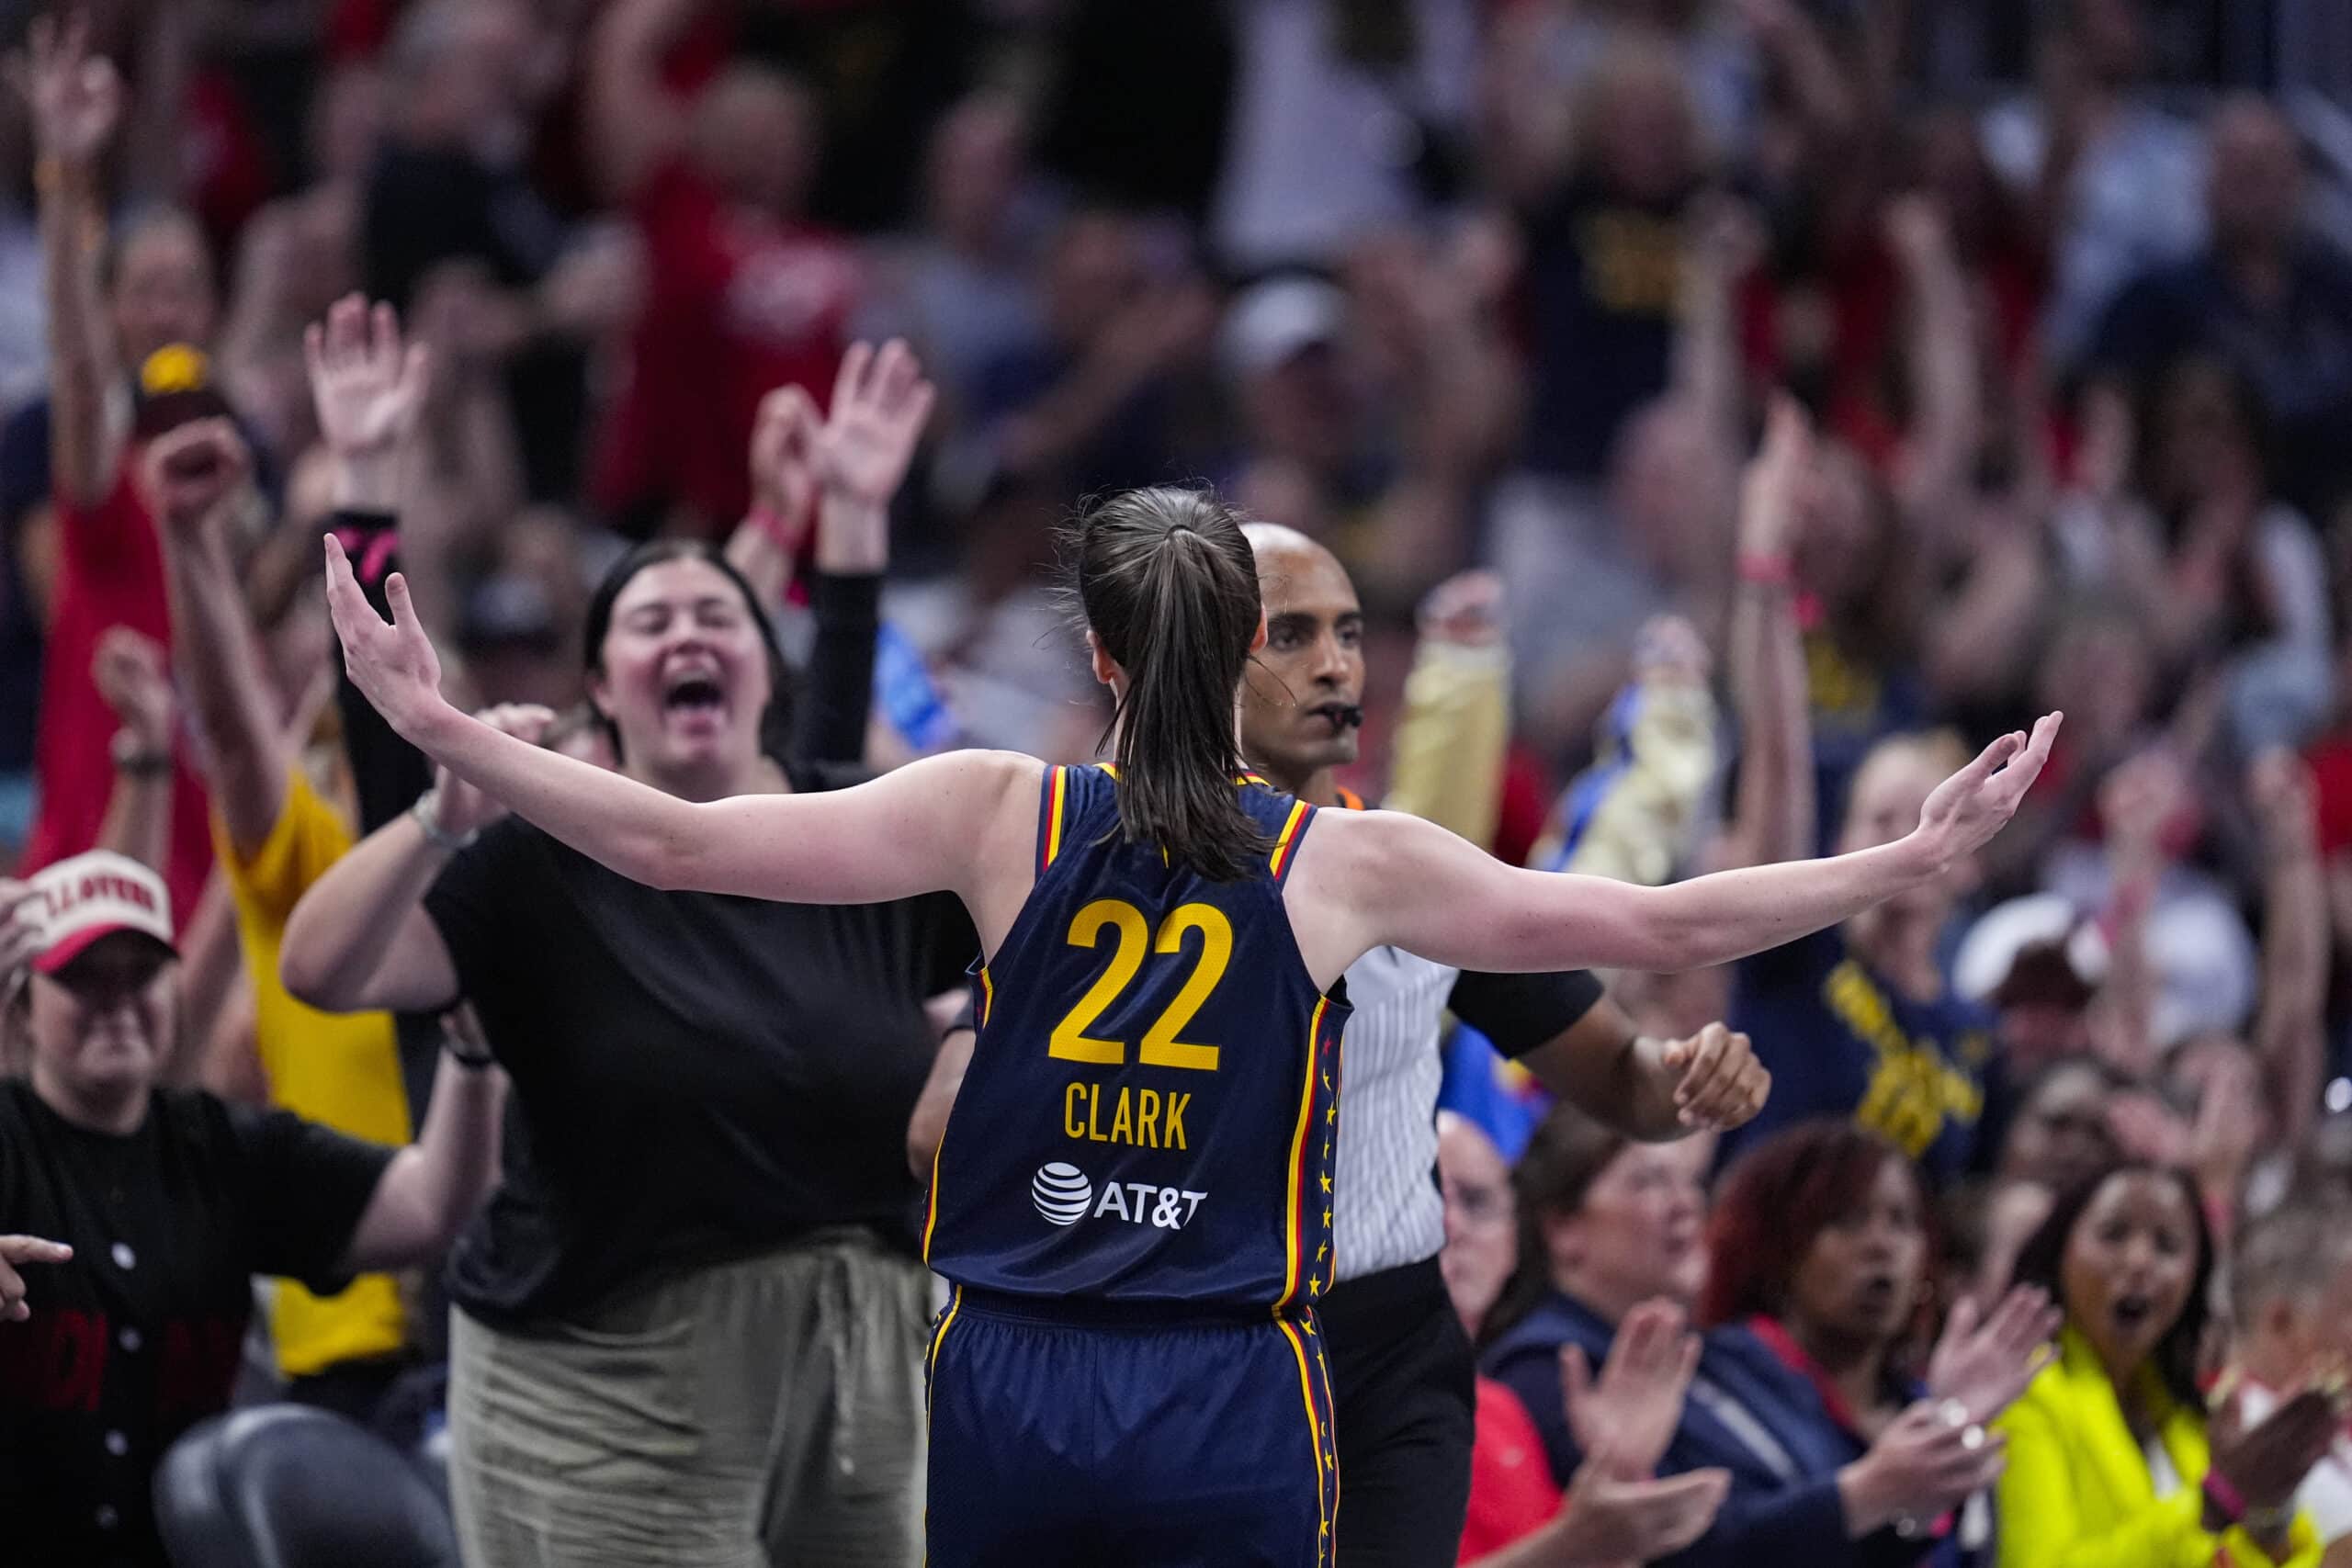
<point>697,1077</point>
<point>138,1337</point>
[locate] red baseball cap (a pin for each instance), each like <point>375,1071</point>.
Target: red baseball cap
<point>94,895</point>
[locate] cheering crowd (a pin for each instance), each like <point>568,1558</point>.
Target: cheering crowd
<point>1676,435</point>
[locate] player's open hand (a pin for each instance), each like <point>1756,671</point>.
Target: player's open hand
<point>393,665</point>
<point>1977,802</point>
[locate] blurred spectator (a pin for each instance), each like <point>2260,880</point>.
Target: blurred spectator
<point>297,255</point>
<point>138,313</point>
<point>1604,1224</point>
<point>1858,1020</point>
<point>1346,119</point>
<point>2220,571</point>
<point>456,231</point>
<point>2291,1290</point>
<point>1098,404</point>
<point>741,293</point>
<point>1603,204</point>
<point>962,287</point>
<point>2268,298</point>
<point>167,1203</point>
<point>1613,1510</point>
<point>2113,1457</point>
<point>1818,1266</point>
<point>2112,177</point>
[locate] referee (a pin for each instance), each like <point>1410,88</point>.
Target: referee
<point>1401,1366</point>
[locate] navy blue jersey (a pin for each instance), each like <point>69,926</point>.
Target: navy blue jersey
<point>1152,1104</point>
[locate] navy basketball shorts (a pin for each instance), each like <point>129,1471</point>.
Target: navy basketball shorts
<point>1075,1434</point>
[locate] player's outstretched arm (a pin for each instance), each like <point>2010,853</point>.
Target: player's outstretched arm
<point>1382,879</point>
<point>918,829</point>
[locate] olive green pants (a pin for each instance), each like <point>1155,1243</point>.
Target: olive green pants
<point>749,1416</point>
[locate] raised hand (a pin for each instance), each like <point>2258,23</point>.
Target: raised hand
<point>459,808</point>
<point>1719,1084</point>
<point>1771,490</point>
<point>1630,1415</point>
<point>1465,610</point>
<point>192,470</point>
<point>1983,1365</point>
<point>1606,1520</point>
<point>2267,1463</point>
<point>133,676</point>
<point>2283,794</point>
<point>1928,1460</point>
<point>75,96</point>
<point>1977,802</point>
<point>22,912</point>
<point>783,463</point>
<point>15,1252</point>
<point>367,385</point>
<point>880,405</point>
<point>394,666</point>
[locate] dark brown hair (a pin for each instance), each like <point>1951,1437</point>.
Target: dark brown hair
<point>1169,587</point>
<point>1776,1201</point>
<point>1555,1170</point>
<point>775,720</point>
<point>2042,1261</point>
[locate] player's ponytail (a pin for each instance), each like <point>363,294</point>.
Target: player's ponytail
<point>1170,588</point>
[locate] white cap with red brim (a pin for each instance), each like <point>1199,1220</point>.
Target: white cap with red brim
<point>92,895</point>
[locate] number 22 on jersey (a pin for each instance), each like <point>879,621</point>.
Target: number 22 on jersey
<point>1162,1045</point>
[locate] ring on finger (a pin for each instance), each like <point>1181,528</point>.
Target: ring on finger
<point>1973,1437</point>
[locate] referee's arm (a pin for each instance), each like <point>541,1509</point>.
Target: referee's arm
<point>1579,1044</point>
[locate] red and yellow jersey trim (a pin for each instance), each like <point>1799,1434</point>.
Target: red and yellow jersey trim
<point>1299,1201</point>
<point>1049,826</point>
<point>1287,839</point>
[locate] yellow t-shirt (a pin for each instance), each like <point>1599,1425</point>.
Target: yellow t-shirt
<point>342,1070</point>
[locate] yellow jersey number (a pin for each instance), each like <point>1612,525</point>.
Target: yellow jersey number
<point>1160,1047</point>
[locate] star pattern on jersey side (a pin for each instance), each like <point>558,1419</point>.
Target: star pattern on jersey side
<point>1327,1182</point>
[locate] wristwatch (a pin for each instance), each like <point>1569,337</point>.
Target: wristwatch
<point>427,812</point>
<point>137,761</point>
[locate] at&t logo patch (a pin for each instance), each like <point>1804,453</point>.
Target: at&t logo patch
<point>1064,1195</point>
<point>1061,1193</point>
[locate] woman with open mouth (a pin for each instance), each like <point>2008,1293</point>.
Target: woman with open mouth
<point>2114,1460</point>
<point>1821,1251</point>
<point>687,1327</point>
<point>1819,1274</point>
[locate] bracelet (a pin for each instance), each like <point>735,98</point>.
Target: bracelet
<point>1767,571</point>
<point>776,527</point>
<point>134,761</point>
<point>471,1061</point>
<point>427,813</point>
<point>2226,1499</point>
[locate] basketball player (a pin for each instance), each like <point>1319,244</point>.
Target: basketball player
<point>1402,1372</point>
<point>1139,1378</point>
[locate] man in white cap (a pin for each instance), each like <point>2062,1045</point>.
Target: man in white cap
<point>121,1328</point>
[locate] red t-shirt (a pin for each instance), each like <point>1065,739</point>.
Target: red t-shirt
<point>110,574</point>
<point>737,304</point>
<point>1511,1494</point>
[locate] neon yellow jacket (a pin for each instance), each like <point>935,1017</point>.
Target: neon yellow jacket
<point>2077,1493</point>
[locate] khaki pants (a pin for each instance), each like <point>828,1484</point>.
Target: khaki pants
<point>749,1416</point>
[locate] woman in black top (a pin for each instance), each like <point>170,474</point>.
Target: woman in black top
<point>124,1326</point>
<point>690,1319</point>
